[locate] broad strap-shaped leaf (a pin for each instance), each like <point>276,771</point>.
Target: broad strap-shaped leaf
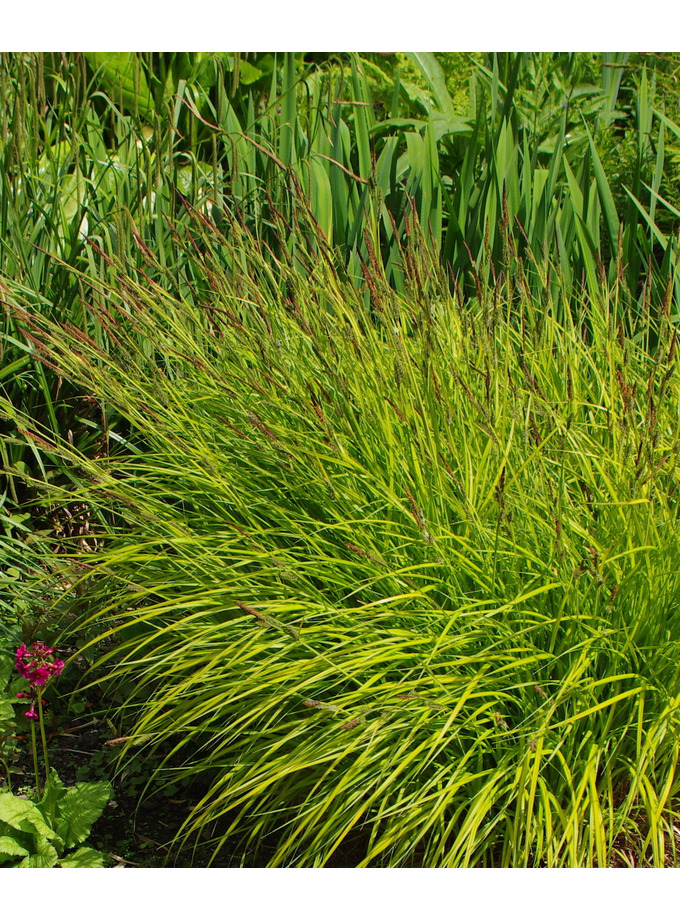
<point>362,123</point>
<point>658,170</point>
<point>433,73</point>
<point>605,193</point>
<point>289,119</point>
<point>660,237</point>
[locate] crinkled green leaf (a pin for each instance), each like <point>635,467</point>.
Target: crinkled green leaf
<point>9,847</point>
<point>72,195</point>
<point>123,79</point>
<point>84,858</point>
<point>80,808</point>
<point>54,792</point>
<point>248,74</point>
<point>45,857</point>
<point>6,711</point>
<point>25,816</point>
<point>6,667</point>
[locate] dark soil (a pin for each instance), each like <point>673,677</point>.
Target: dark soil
<point>130,832</point>
<point>137,831</point>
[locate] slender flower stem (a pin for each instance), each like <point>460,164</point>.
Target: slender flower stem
<point>36,769</point>
<point>44,738</point>
<point>45,754</point>
<point>38,664</point>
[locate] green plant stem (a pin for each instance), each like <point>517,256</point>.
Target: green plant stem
<point>46,756</point>
<point>43,736</point>
<point>35,760</point>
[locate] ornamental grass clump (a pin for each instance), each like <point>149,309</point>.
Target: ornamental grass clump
<point>392,579</point>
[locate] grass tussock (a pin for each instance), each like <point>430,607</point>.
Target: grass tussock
<point>390,575</point>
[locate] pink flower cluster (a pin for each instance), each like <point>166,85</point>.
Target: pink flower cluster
<point>37,665</point>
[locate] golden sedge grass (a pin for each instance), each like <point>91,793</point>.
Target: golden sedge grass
<point>394,579</point>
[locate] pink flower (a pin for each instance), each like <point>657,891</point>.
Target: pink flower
<point>37,665</point>
<point>41,675</point>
